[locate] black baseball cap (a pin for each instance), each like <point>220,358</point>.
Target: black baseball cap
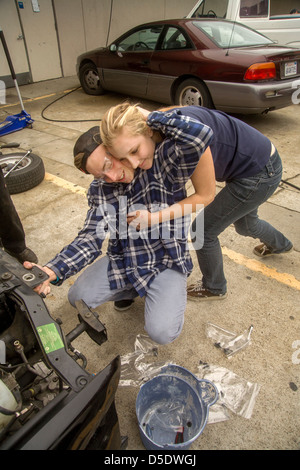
<point>84,146</point>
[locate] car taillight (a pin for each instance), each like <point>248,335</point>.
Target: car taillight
<point>265,71</point>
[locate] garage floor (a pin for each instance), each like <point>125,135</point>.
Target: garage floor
<point>264,294</point>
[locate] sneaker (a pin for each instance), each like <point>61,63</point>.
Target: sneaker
<point>263,251</point>
<point>198,292</point>
<point>25,255</point>
<point>122,305</point>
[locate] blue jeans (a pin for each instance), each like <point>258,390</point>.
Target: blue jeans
<point>237,203</point>
<point>165,301</point>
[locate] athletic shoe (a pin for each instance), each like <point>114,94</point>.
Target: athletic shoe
<point>198,292</point>
<point>263,251</point>
<point>122,305</point>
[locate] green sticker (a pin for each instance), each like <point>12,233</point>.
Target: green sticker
<point>50,337</point>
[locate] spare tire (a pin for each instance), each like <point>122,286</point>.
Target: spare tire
<point>28,174</point>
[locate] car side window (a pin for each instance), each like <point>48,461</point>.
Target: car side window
<point>143,39</point>
<point>280,9</point>
<point>175,39</point>
<point>211,8</point>
<point>250,8</point>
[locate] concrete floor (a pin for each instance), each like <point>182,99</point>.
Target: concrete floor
<point>264,294</point>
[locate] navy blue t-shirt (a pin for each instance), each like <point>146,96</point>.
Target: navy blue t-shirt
<point>238,150</point>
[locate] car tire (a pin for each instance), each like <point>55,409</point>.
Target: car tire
<point>193,92</point>
<point>29,174</point>
<point>89,79</point>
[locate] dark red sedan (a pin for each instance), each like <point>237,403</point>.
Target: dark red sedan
<point>209,62</point>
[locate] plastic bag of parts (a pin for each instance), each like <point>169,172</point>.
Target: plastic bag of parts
<point>230,343</point>
<point>135,369</point>
<point>235,393</point>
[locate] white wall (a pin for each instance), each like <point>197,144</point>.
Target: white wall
<point>9,24</point>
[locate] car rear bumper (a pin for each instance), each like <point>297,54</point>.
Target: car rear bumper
<point>256,98</point>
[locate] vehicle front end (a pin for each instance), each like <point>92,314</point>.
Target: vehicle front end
<point>48,399</point>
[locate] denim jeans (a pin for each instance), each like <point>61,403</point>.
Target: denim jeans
<point>12,233</point>
<point>165,301</point>
<point>237,203</point>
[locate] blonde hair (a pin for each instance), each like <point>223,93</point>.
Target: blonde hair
<point>117,117</point>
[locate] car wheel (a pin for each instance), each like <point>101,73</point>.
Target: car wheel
<point>89,79</point>
<point>29,173</point>
<point>192,92</point>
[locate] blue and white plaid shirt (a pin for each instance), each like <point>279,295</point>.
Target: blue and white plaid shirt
<point>137,257</point>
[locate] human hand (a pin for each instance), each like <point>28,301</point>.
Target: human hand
<point>44,288</point>
<point>139,219</point>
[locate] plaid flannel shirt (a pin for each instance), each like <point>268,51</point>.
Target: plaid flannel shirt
<point>137,257</point>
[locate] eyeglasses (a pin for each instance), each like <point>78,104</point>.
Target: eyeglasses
<point>107,166</point>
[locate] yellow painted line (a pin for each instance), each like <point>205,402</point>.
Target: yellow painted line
<point>34,99</point>
<point>28,100</point>
<point>238,258</point>
<point>74,188</point>
<point>257,266</point>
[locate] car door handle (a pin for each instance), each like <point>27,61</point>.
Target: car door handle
<point>145,62</point>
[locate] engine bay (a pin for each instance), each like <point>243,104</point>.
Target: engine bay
<point>48,400</point>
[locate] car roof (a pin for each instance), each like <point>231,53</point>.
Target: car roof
<point>176,22</point>
<point>182,21</point>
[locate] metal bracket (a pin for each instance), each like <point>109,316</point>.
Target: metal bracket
<point>90,323</point>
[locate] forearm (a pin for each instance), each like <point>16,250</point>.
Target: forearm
<point>203,180</point>
<point>187,206</point>
<point>185,131</point>
<point>62,267</point>
<point>83,250</point>
<point>74,257</point>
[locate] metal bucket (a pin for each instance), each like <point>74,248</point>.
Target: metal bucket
<point>172,408</point>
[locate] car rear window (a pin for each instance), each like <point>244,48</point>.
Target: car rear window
<point>227,34</point>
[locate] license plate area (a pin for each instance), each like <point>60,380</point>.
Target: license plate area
<point>290,69</point>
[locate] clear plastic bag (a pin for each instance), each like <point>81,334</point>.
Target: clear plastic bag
<point>230,343</point>
<point>135,369</point>
<point>235,393</point>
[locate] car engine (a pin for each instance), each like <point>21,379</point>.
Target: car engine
<point>48,400</point>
